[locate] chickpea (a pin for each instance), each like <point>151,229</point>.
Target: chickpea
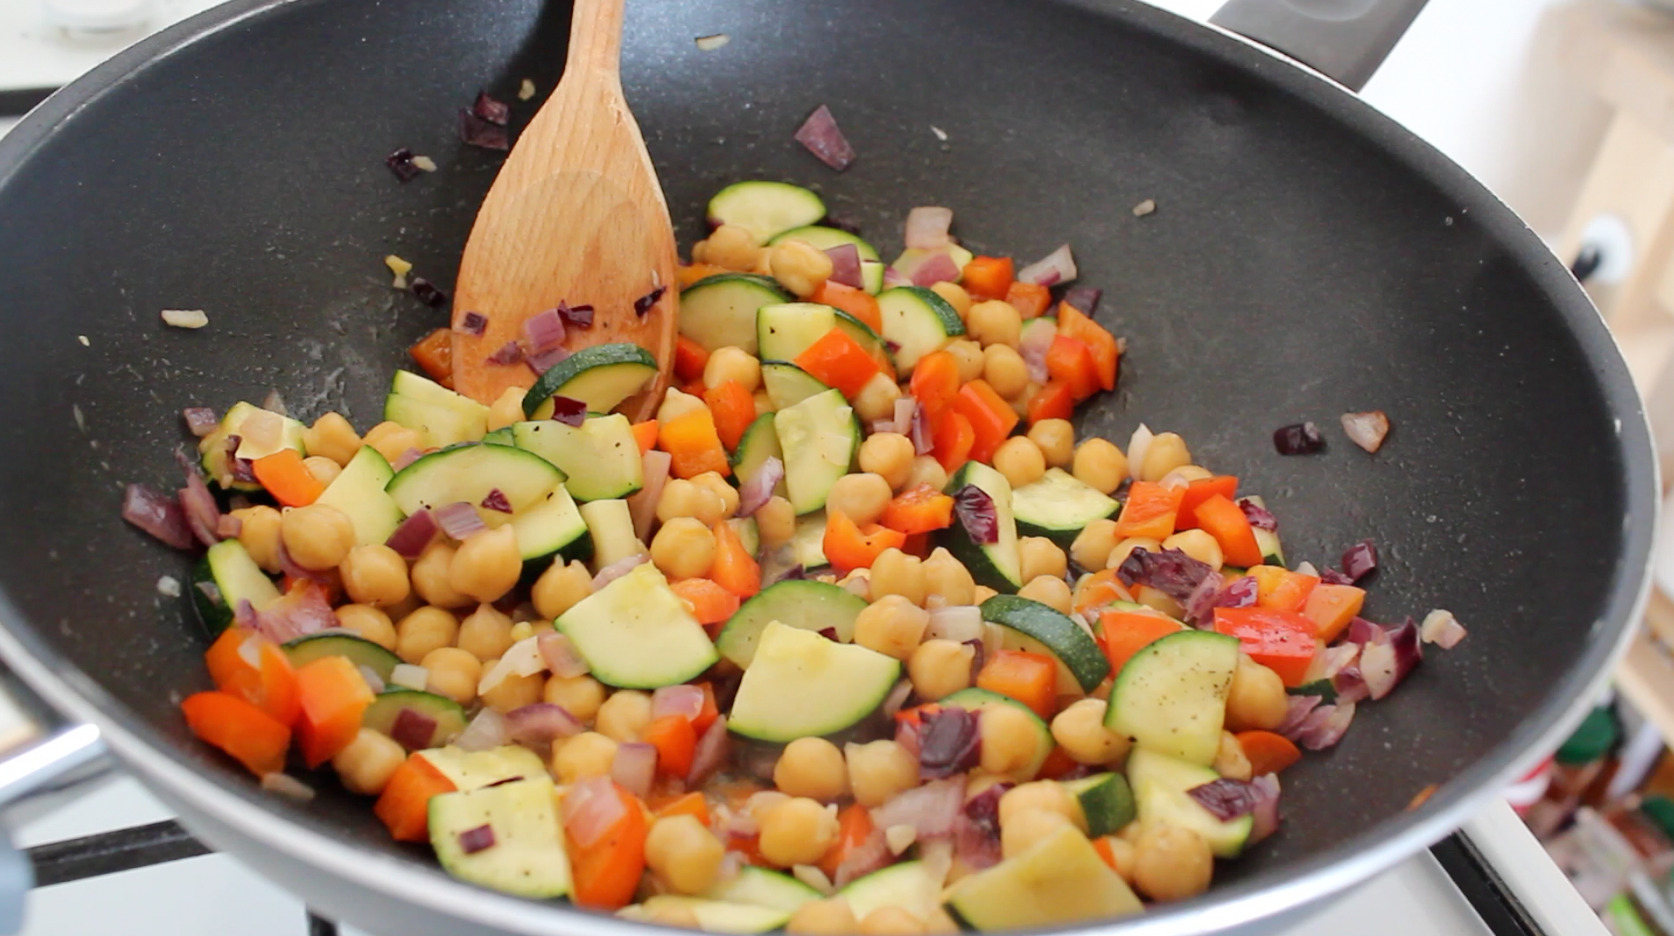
<point>673,915</point>
<point>939,923</point>
<point>1230,760</point>
<point>1092,546</point>
<point>888,455</point>
<point>431,578</point>
<point>876,399</point>
<point>1166,452</point>
<point>453,673</point>
<point>1020,461</point>
<point>995,322</point>
<point>799,266</point>
<point>968,355</point>
<point>624,715</point>
<point>879,770</point>
<point>514,692</point>
<point>860,497</point>
<point>507,408</point>
<point>775,521</point>
<point>948,578</point>
<point>1186,475</point>
<point>983,593</point>
<point>316,537</point>
<point>1040,796</point>
<point>717,485</point>
<point>368,622</point>
<point>682,498</point>
<point>927,470</point>
<point>322,468</point>
<point>1257,699</point>
<point>1056,438</point>
<point>429,628</point>
<point>939,668</point>
<point>368,762</point>
<point>683,548</point>
<point>730,363</point>
<point>392,440</point>
<point>1122,852</point>
<point>1009,742</point>
<point>731,246</point>
<point>1004,370</point>
<point>560,588</point>
<point>375,574</point>
<point>1079,730</point>
<point>485,633</point>
<point>1197,544</point>
<point>1040,556</point>
<point>1100,465</point>
<point>1171,863</point>
<point>684,853</point>
<point>812,768</point>
<point>892,625</point>
<point>331,437</point>
<point>258,533</point>
<point>586,755</point>
<point>829,917</point>
<point>891,921</point>
<point>1125,548</point>
<point>896,573</point>
<point>797,831</point>
<point>1029,827</point>
<point>955,295</point>
<point>1049,590</point>
<point>487,564</point>
<point>677,403</point>
<point>581,696</point>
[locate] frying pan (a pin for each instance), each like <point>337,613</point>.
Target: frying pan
<point>1307,257</point>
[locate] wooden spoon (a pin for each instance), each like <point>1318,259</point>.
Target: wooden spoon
<point>576,215</point>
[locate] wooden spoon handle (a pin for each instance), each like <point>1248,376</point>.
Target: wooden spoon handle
<point>595,37</point>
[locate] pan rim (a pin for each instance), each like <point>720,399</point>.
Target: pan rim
<point>1263,895</point>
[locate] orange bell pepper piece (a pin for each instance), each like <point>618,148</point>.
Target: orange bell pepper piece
<point>1100,589</point>
<point>1031,300</point>
<point>1150,511</point>
<point>991,417</point>
<point>1071,361</point>
<point>857,302</point>
<point>1225,521</point>
<point>1107,854</point>
<point>1282,641</point>
<point>1128,632</point>
<point>287,478</point>
<point>854,829</point>
<point>404,806</point>
<point>675,741</point>
<point>837,360</point>
<point>1332,607</point>
<point>734,569</point>
<point>334,696</point>
<point>935,382</point>
<point>1286,591</point>
<point>246,733</point>
<point>606,874</point>
<point>269,685</point>
<point>645,435</point>
<point>987,277</point>
<point>1057,764</point>
<point>689,359</point>
<point>1073,323</point>
<point>1267,752</point>
<point>1054,401</point>
<point>849,547</point>
<point>733,408</point>
<point>1199,491</point>
<point>434,354</point>
<point>1030,678</point>
<point>919,510</point>
<point>691,804</point>
<point>693,444</point>
<point>710,603</point>
<point>951,441</point>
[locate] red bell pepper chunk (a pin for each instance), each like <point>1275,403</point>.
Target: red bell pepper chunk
<point>1282,641</point>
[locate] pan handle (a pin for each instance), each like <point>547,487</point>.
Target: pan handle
<point>1345,40</point>
<point>44,760</point>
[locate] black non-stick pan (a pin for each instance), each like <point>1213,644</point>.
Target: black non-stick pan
<point>1306,257</point>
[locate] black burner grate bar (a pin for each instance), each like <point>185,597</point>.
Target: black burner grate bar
<point>110,852</point>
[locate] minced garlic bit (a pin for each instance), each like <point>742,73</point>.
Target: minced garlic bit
<point>711,43</point>
<point>400,268</point>
<point>84,342</point>
<point>185,318</point>
<point>900,837</point>
<point>1144,208</point>
<point>939,132</point>
<point>169,585</point>
<point>425,163</point>
<point>526,90</point>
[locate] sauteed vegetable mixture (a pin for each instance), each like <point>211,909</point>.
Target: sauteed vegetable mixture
<point>855,636</point>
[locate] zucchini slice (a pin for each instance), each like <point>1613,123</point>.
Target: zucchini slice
<point>760,442</point>
<point>1171,696</point>
<point>613,628</point>
<point>600,460</point>
<point>907,885</point>
<point>820,437</point>
<point>1050,630</point>
<point>787,329</point>
<point>359,650</point>
<point>826,238</point>
<point>998,564</point>
<point>359,491</point>
<point>720,916</point>
<point>766,209</point>
<point>1160,789</point>
<point>601,376</point>
<point>802,685</point>
<point>468,473</point>
<point>552,527</point>
<point>471,770</point>
<point>975,700</point>
<point>441,416</point>
<point>527,857</point>
<point>760,887</point>
<point>229,568</point>
<point>720,310</point>
<point>787,384</point>
<point>1106,802</point>
<point>916,322</point>
<point>802,603</point>
<point>1058,506</point>
<point>1058,881</point>
<point>212,448</point>
<point>386,709</point>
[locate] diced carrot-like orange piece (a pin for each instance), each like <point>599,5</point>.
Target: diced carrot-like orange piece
<point>1199,491</point>
<point>404,806</point>
<point>1149,511</point>
<point>269,684</point>
<point>334,696</point>
<point>434,354</point>
<point>1225,521</point>
<point>1332,607</point>
<point>1128,632</point>
<point>1030,678</point>
<point>246,733</point>
<point>693,444</point>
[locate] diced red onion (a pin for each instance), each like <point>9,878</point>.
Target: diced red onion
<point>289,566</point>
<point>1050,270</point>
<point>561,656</point>
<point>1083,298</point>
<point>1440,627</point>
<point>683,700</point>
<point>485,732</point>
<point>617,569</point>
<point>202,514</point>
<point>510,353</point>
<point>975,509</point>
<point>936,268</point>
<point>426,292</point>
<point>478,839</point>
<point>201,420</point>
<point>542,332</point>
<point>521,659</point>
<point>591,809</point>
<point>1331,661</point>
<point>1366,430</point>
<point>495,112</point>
<point>303,610</point>
<point>1409,648</point>
<point>958,623</point>
<point>875,426</point>
<point>1333,577</point>
<point>244,613</point>
<point>1298,439</point>
<point>1241,592</point>
<point>459,519</point>
<point>893,278</point>
<point>979,657</point>
<point>863,859</point>
<point>759,488</point>
<point>568,411</point>
<point>931,808</point>
<point>906,737</point>
<point>546,360</point>
<point>412,454</point>
<point>261,431</point>
<point>286,785</point>
<point>496,500</point>
<point>1036,343</point>
<point>642,505</point>
<point>845,265</point>
<point>927,227</point>
<point>475,131</point>
<point>634,767</point>
<point>413,535</point>
<point>897,697</point>
<point>905,407</point>
<point>857,585</point>
<point>819,135</point>
<point>580,316</point>
<point>408,676</point>
<point>1307,568</point>
<point>1377,668</point>
<point>229,526</point>
<point>400,163</point>
<point>413,729</point>
<point>1260,518</point>
<point>1325,726</point>
<point>1297,710</point>
<point>1360,560</point>
<point>923,440</point>
<point>976,834</point>
<point>644,303</point>
<point>1266,811</point>
<point>541,723</point>
<point>473,323</point>
<point>949,743</point>
<point>710,754</point>
<point>1204,599</point>
<point>1226,798</point>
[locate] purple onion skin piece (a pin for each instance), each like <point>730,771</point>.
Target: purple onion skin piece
<point>475,840</point>
<point>949,743</point>
<point>1260,517</point>
<point>474,323</point>
<point>820,135</point>
<point>427,293</point>
<point>975,509</point>
<point>1360,560</point>
<point>496,500</point>
<point>400,163</point>
<point>1298,439</point>
<point>510,353</point>
<point>1226,799</point>
<point>1084,298</point>
<point>495,112</point>
<point>570,412</point>
<point>643,304</point>
<point>580,316</point>
<point>983,810</point>
<point>475,131</point>
<point>1170,571</point>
